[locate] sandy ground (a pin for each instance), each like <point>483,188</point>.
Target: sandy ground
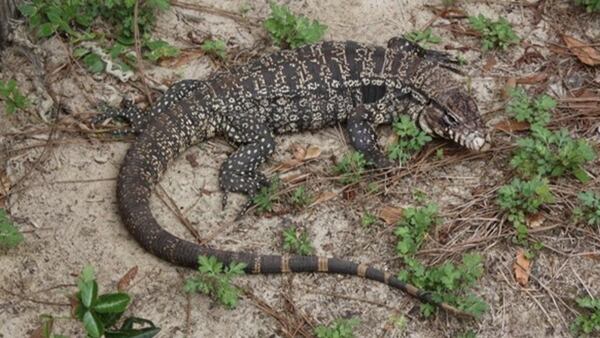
<point>63,197</point>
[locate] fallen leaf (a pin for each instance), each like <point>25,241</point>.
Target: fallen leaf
<point>125,281</point>
<point>294,178</point>
<point>586,54</point>
<point>390,215</point>
<point>287,165</point>
<point>312,152</point>
<point>298,151</point>
<point>509,126</point>
<point>324,197</point>
<point>522,268</point>
<point>535,220</point>
<point>490,62</point>
<point>349,194</point>
<point>533,78</point>
<point>510,84</point>
<point>192,160</point>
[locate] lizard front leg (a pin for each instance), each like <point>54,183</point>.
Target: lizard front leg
<point>138,119</point>
<point>363,137</point>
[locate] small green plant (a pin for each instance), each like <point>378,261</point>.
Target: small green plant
<point>291,31</point>
<point>590,5</point>
<point>158,49</point>
<point>410,139</point>
<point>12,97</point>
<point>297,241</point>
<point>423,37</point>
<point>100,313</point>
<point>589,208</point>
<point>495,34</point>
<point>368,219</point>
<point>587,324</point>
<point>552,154</point>
<point>301,197</point>
<point>534,111</point>
<point>215,47</point>
<point>467,334</point>
<point>351,167</point>
<point>214,280</point>
<point>446,282</point>
<point>520,199</point>
<point>340,328</point>
<point>9,235</point>
<point>266,197</point>
<point>413,226</point>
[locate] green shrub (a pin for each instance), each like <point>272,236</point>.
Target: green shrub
<point>494,34</point>
<point>9,235</point>
<point>520,199</point>
<point>340,328</point>
<point>423,37</point>
<point>215,47</point>
<point>534,111</point>
<point>590,5</point>
<point>552,154</point>
<point>589,208</point>
<point>214,280</point>
<point>12,97</point>
<point>410,139</point>
<point>291,31</point>
<point>297,241</point>
<point>351,167</point>
<point>587,324</point>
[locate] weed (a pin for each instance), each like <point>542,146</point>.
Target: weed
<point>467,334</point>
<point>296,241</point>
<point>12,97</point>
<point>549,153</point>
<point>158,49</point>
<point>340,328</point>
<point>413,226</point>
<point>443,281</point>
<point>215,47</point>
<point>520,199</point>
<point>410,139</point>
<point>266,197</point>
<point>9,235</point>
<point>589,208</point>
<point>351,167</point>
<point>586,324</point>
<point>534,111</point>
<point>214,280</point>
<point>301,197</point>
<point>494,33</point>
<point>368,219</point>
<point>101,312</point>
<point>590,5</point>
<point>291,31</point>
<point>423,37</point>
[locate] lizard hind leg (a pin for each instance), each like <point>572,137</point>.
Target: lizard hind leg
<point>239,172</point>
<point>138,119</point>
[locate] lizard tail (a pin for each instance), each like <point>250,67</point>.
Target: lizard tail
<point>143,166</point>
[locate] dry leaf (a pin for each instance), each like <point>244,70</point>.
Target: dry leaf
<point>533,78</point>
<point>312,152</point>
<point>586,54</point>
<point>298,152</point>
<point>535,220</point>
<point>490,62</point>
<point>390,215</point>
<point>324,197</point>
<point>511,83</point>
<point>125,281</point>
<point>522,268</point>
<point>509,126</point>
<point>287,165</point>
<point>295,178</point>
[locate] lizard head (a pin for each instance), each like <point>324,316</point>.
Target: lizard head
<point>453,114</point>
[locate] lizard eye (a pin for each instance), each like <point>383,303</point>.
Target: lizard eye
<point>449,120</point>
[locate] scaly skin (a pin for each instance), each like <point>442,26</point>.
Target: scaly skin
<point>304,89</point>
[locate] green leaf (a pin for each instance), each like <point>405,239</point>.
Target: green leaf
<point>88,293</point>
<point>27,9</point>
<point>93,62</point>
<point>112,303</point>
<point>9,235</point>
<point>93,326</point>
<point>46,29</point>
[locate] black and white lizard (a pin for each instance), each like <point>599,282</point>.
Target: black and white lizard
<point>312,87</point>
